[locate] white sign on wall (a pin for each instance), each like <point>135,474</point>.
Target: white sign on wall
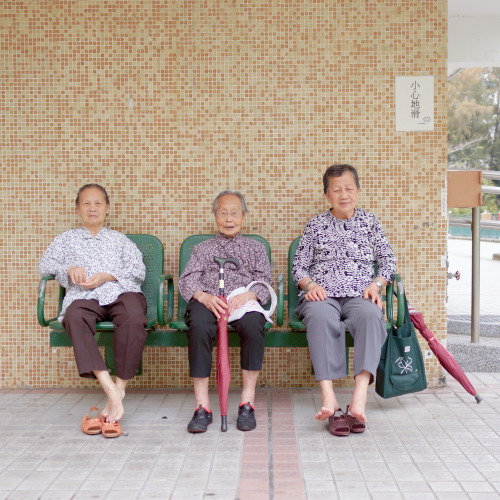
<point>414,103</point>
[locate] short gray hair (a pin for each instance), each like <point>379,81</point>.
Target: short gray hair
<point>235,193</point>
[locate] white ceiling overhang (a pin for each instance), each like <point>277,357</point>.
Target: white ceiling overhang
<point>473,34</point>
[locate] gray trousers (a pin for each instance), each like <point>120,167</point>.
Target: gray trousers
<point>326,334</point>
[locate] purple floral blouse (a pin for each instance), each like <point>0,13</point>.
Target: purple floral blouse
<point>340,254</point>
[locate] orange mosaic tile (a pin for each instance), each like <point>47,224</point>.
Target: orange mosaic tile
<point>166,103</point>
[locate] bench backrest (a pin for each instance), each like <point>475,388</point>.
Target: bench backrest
<point>153,257</point>
<point>185,253</point>
<point>293,291</point>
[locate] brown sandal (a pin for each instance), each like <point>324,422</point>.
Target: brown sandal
<point>338,426</point>
<point>92,425</point>
<point>354,424</point>
<point>111,429</point>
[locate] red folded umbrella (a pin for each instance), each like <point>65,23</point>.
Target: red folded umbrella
<point>223,374</point>
<point>448,362</point>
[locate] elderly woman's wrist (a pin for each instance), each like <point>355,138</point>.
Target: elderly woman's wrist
<point>310,282</point>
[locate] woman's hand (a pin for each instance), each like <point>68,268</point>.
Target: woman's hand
<point>315,292</point>
<point>239,300</point>
<point>211,302</point>
<point>96,280</point>
<point>373,292</point>
<point>77,274</point>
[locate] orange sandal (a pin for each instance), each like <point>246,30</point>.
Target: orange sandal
<point>92,425</point>
<point>111,429</point>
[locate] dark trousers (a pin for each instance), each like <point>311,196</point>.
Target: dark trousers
<point>128,314</point>
<point>202,325</point>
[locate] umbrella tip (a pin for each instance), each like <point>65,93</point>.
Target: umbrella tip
<point>478,398</point>
<point>223,424</point>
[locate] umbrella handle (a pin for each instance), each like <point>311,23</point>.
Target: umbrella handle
<point>223,424</point>
<point>221,263</point>
<point>230,260</point>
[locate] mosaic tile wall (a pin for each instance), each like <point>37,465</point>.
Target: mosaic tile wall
<point>166,103</point>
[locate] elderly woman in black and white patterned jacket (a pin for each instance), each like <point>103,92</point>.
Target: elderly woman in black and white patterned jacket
<point>334,271</point>
<point>102,271</point>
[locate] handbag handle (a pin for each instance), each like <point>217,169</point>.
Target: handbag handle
<point>395,287</point>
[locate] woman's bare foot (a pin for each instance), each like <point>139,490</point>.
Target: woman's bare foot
<point>329,400</point>
<point>357,406</point>
<point>325,413</point>
<point>111,410</point>
<point>357,409</point>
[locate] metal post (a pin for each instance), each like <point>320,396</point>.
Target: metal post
<point>476,241</point>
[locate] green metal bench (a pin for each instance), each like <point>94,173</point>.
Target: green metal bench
<point>175,334</point>
<point>292,298</point>
<point>153,289</point>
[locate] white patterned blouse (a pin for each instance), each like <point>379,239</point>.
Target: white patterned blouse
<point>109,252</point>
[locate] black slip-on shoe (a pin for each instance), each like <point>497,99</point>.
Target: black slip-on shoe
<point>246,418</point>
<point>200,421</point>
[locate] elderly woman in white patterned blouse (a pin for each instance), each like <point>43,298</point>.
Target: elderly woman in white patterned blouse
<point>334,271</point>
<point>102,271</point>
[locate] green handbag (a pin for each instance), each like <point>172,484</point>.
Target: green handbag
<point>401,369</point>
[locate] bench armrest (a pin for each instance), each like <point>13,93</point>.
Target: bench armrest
<point>40,307</point>
<point>280,309</point>
<point>161,299</point>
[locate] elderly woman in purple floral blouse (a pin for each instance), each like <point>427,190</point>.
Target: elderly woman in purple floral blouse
<point>334,271</point>
<point>199,285</point>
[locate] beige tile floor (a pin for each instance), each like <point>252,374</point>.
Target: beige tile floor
<point>437,444</point>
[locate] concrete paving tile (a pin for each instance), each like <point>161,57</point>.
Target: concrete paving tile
<point>470,475</point>
<point>350,486</point>
<point>438,475</point>
<point>357,495</point>
<point>322,495</point>
<point>313,456</point>
<point>447,495</point>
<point>253,495</point>
<point>418,496</point>
<point>477,487</point>
<point>188,495</point>
<point>58,495</point>
<point>483,496</point>
<point>445,486</point>
<point>20,494</point>
<point>312,471</point>
<point>386,495</point>
<point>404,471</point>
<point>378,486</point>
<point>413,486</point>
<point>220,493</point>
<point>133,474</point>
<point>128,485</point>
<point>380,475</point>
<point>122,495</point>
<point>97,485</point>
<point>290,485</point>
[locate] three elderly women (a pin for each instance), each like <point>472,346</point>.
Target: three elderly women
<point>333,269</point>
